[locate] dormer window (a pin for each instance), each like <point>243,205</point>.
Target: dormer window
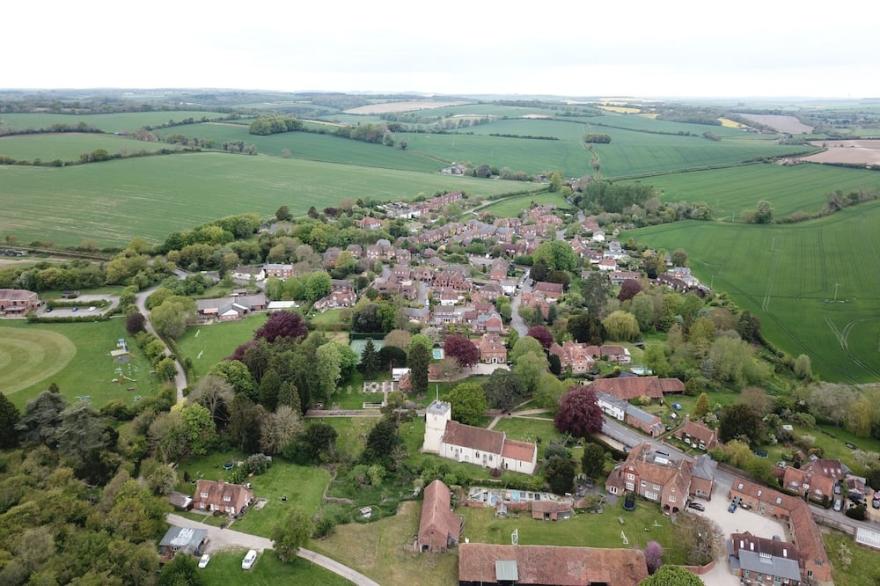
<point>204,495</point>
<point>227,499</point>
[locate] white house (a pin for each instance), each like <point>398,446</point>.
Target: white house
<point>612,406</point>
<point>475,445</point>
<point>246,273</point>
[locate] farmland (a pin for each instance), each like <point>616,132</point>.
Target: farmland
<point>69,146</point>
<point>848,152</point>
<point>75,356</point>
<point>150,197</point>
<point>780,122</point>
<point>316,147</point>
<point>403,106</point>
<point>118,122</point>
<point>730,191</point>
<point>814,285</point>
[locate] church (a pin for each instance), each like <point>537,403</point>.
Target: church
<point>475,445</point>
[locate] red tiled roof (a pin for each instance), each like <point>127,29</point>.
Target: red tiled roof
<point>562,566</point>
<point>436,512</point>
<point>515,450</point>
<point>697,430</point>
<point>477,438</point>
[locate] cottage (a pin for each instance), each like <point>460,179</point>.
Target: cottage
<point>248,273</point>
<point>278,271</point>
<point>475,445</point>
<point>369,223</point>
<point>335,300</point>
<point>439,527</point>
<point>223,497</point>
<point>815,479</point>
<point>697,435</point>
<point>551,291</point>
<point>481,564</point>
<point>18,301</point>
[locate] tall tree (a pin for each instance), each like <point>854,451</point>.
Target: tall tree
<point>328,369</point>
<point>593,460</point>
<point>369,359</point>
<point>579,414</point>
<point>9,417</point>
<point>290,534</point>
<point>383,441</point>
<point>41,418</point>
<point>282,324</point>
<point>270,386</point>
<point>702,406</point>
<point>180,571</point>
<point>586,328</point>
<point>504,390</point>
<point>541,334</point>
<point>468,402</point>
<point>419,359</point>
<point>559,473</point>
<point>462,349</point>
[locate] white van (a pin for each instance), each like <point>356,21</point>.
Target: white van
<point>248,562</point>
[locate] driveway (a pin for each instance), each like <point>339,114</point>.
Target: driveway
<point>220,539</point>
<point>141,302</point>
<point>740,521</point>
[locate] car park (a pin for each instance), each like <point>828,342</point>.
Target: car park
<point>203,561</point>
<point>248,562</point>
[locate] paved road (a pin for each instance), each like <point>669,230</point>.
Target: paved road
<point>516,319</point>
<point>141,302</point>
<point>220,539</point>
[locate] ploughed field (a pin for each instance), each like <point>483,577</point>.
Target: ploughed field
<point>847,152</point>
<point>150,197</point>
<point>815,285</point>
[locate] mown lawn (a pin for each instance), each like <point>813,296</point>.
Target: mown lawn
<point>604,529</point>
<point>225,568</point>
<point>382,550</point>
<point>814,285</point>
<point>208,345</point>
<point>28,358</point>
<point>302,485</point>
<point>863,568</point>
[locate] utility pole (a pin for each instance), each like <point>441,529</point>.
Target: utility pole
<point>836,286</point>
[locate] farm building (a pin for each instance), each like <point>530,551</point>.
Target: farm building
<point>539,565</point>
<point>629,388</point>
<point>439,527</point>
<point>182,539</point>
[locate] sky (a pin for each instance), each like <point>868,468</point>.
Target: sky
<point>642,48</point>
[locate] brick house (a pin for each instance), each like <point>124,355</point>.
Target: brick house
<point>815,479</point>
<point>278,271</point>
<point>369,223</point>
<point>439,527</point>
<point>18,301</point>
<point>551,291</point>
<point>219,496</point>
<point>492,349</point>
<point>757,560</point>
<point>697,435</point>
<point>573,356</point>
<point>655,476</point>
<point>633,387</point>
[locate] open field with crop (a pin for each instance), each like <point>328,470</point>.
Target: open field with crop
<point>119,122</point>
<point>646,124</point>
<point>730,191</point>
<point>150,197</point>
<point>208,345</point>
<point>780,122</point>
<point>849,152</point>
<point>815,285</point>
<point>69,146</point>
<point>405,106</point>
<point>225,569</point>
<point>75,356</point>
<point>512,206</point>
<point>316,147</point>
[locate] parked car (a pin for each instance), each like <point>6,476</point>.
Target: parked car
<point>75,309</point>
<point>837,488</point>
<point>732,507</point>
<point>696,506</point>
<point>838,504</point>
<point>248,562</point>
<point>850,446</point>
<point>203,561</point>
<point>876,501</point>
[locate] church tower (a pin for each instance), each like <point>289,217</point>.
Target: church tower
<point>436,416</point>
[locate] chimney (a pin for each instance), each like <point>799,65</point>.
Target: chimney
<point>752,545</point>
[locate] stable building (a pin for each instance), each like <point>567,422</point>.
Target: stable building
<point>439,527</point>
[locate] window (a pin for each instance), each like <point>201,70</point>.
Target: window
<point>204,495</point>
<point>779,500</point>
<point>672,498</point>
<point>759,492</point>
<point>227,499</point>
<point>739,486</point>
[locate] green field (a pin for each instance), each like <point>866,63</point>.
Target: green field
<point>863,568</point>
<point>120,122</point>
<point>302,485</point>
<point>225,568</point>
<point>315,147</point>
<point>69,146</point>
<point>208,345</point>
<point>76,356</point>
<point>647,124</point>
<point>150,197</point>
<point>815,285</point>
<point>512,206</point>
<point>730,191</point>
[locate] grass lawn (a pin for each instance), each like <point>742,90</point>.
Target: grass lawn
<point>302,485</point>
<point>381,550</point>
<point>512,206</point>
<point>331,318</point>
<point>76,356</point>
<point>149,197</point>
<point>864,566</point>
<point>69,146</point>
<point>584,529</point>
<point>542,432</point>
<point>813,285</point>
<point>208,345</point>
<point>225,568</point>
<point>352,432</point>
<point>832,440</point>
